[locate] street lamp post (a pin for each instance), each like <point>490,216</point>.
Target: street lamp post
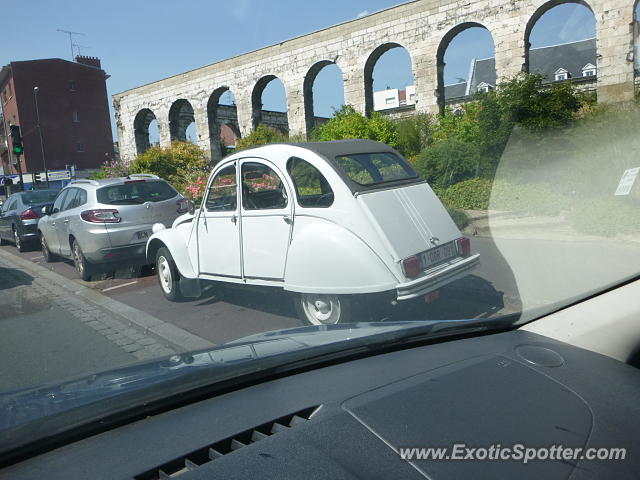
<point>44,161</point>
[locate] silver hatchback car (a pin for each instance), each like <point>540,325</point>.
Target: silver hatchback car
<point>106,221</point>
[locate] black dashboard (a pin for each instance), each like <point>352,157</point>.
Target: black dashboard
<point>350,420</point>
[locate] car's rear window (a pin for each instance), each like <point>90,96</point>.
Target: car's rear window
<point>375,168</point>
<point>135,192</point>
<point>34,198</point>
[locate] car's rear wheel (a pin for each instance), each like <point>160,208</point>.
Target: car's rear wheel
<point>83,267</point>
<point>320,309</point>
<point>16,239</point>
<point>46,253</point>
<point>168,275</point>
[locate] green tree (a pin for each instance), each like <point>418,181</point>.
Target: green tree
<point>173,163</point>
<point>414,134</point>
<point>349,123</point>
<point>449,161</point>
<point>261,135</point>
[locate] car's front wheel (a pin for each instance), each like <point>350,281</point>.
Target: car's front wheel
<point>320,309</point>
<point>168,275</point>
<point>83,267</point>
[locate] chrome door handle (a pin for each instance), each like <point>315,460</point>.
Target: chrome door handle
<point>287,219</point>
<point>53,223</point>
<point>234,219</point>
<point>66,221</point>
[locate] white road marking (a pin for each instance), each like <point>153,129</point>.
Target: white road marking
<point>118,286</point>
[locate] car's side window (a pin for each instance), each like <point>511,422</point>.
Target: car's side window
<point>312,188</point>
<point>10,205</point>
<point>223,192</point>
<point>69,200</point>
<point>262,188</point>
<point>80,198</point>
<point>57,204</point>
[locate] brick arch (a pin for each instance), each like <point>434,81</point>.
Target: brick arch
<point>141,123</point>
<point>370,64</point>
<point>537,14</point>
<point>307,87</point>
<point>181,115</point>
<point>446,40</point>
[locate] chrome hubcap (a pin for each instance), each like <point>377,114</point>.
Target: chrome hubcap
<point>77,258</point>
<point>164,274</point>
<point>17,238</point>
<point>321,309</point>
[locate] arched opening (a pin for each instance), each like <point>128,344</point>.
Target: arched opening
<point>323,92</point>
<point>180,118</point>
<point>269,104</point>
<point>466,63</point>
<point>144,131</point>
<point>388,79</point>
<point>560,42</point>
<point>636,38</point>
<point>221,112</point>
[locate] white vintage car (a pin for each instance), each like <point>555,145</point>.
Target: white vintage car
<point>326,221</point>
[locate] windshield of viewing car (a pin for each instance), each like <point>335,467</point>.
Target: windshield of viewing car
<point>134,192</point>
<point>34,198</point>
<point>504,184</point>
<point>374,168</point>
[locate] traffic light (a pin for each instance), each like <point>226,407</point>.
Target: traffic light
<point>16,139</point>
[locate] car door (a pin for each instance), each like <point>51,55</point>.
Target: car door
<point>218,229</point>
<point>49,226</point>
<point>5,217</point>
<point>65,217</point>
<point>266,219</point>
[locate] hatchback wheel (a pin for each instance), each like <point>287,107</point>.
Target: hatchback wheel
<point>17,241</point>
<point>83,267</point>
<point>168,275</point>
<point>319,309</point>
<point>46,253</point>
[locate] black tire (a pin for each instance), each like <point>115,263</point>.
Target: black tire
<point>3,241</point>
<point>320,309</point>
<point>46,253</point>
<point>168,276</point>
<point>84,268</point>
<point>17,241</point>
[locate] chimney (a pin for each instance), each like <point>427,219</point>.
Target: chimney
<point>90,61</point>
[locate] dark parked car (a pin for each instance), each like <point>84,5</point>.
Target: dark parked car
<point>19,216</point>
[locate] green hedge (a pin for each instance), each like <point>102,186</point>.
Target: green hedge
<point>469,195</point>
<point>606,216</point>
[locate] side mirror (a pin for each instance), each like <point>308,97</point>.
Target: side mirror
<point>191,207</point>
<point>46,210</point>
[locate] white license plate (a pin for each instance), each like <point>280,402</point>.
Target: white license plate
<point>439,254</point>
<point>142,235</point>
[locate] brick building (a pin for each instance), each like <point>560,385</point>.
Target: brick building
<point>73,109</point>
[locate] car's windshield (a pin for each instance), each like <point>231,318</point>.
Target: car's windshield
<point>135,191</point>
<point>375,168</point>
<point>234,169</point>
<point>34,198</point>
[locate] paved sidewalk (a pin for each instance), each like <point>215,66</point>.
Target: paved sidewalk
<point>54,324</point>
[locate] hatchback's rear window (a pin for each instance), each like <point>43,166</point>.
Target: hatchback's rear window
<point>135,192</point>
<point>375,168</point>
<point>36,197</point>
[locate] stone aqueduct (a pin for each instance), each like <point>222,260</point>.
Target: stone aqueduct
<point>423,27</point>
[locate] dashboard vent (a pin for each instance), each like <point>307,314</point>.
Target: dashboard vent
<point>199,457</point>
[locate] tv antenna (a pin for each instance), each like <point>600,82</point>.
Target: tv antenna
<point>78,47</point>
<point>71,34</point>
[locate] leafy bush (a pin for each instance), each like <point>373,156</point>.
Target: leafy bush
<point>535,199</point>
<point>261,135</point>
<point>173,163</point>
<point>470,194</point>
<point>349,123</point>
<point>115,168</point>
<point>449,161</point>
<point>414,134</point>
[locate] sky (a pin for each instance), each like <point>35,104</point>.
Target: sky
<point>140,42</point>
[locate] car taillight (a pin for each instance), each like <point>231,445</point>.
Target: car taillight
<point>182,205</point>
<point>101,216</point>
<point>412,266</point>
<point>28,215</point>
<point>464,246</point>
